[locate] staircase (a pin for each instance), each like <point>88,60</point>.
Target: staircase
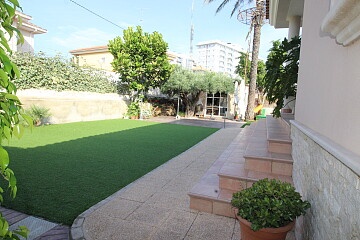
<point>261,150</point>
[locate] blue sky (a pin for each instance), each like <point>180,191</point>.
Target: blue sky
<point>71,27</point>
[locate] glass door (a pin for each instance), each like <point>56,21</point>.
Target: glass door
<point>216,104</point>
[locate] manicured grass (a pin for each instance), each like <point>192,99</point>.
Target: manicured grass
<point>62,170</point>
<point>246,124</point>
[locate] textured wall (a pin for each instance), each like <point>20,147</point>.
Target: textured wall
<point>75,106</point>
<point>329,81</point>
<point>332,188</point>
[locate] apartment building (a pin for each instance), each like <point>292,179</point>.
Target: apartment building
<point>180,59</point>
<point>218,56</point>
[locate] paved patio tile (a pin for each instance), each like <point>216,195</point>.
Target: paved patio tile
<point>150,215</point>
<point>176,226</point>
<point>118,208</point>
<point>139,192</point>
<point>166,234</point>
<point>169,200</point>
<point>236,234</point>
<point>211,227</point>
<point>109,229</point>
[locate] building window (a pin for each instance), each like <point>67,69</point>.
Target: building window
<point>216,104</point>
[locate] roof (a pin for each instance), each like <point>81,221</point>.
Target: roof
<point>281,10</point>
<point>230,45</point>
<point>95,49</point>
<point>26,25</point>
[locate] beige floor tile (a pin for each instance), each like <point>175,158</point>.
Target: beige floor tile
<point>118,208</point>
<point>110,228</point>
<point>211,227</point>
<point>150,215</point>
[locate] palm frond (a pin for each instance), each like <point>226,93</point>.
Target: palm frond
<point>223,4</point>
<point>236,6</point>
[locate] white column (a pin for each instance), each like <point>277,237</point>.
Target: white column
<point>294,26</point>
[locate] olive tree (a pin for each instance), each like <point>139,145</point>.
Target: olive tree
<point>189,85</point>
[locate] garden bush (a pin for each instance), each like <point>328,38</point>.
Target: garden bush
<point>39,71</point>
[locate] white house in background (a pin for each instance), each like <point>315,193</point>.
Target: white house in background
<point>181,59</point>
<point>326,129</point>
<point>218,56</point>
<point>28,30</point>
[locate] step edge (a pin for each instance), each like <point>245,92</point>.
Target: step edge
<point>277,140</point>
<point>236,177</point>
<point>256,179</point>
<point>270,158</point>
<point>206,197</point>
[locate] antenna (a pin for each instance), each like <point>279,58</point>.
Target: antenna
<point>191,36</point>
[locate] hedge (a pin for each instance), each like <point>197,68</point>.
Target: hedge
<point>56,73</point>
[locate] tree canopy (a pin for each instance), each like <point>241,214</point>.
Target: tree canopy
<point>282,68</point>
<point>189,85</point>
<point>243,69</point>
<point>140,59</point>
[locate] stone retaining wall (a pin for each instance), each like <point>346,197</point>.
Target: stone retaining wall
<point>75,106</point>
<point>332,187</point>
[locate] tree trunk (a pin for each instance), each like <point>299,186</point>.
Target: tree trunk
<point>189,100</point>
<point>258,21</point>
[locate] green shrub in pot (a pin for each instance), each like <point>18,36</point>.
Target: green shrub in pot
<point>269,204</point>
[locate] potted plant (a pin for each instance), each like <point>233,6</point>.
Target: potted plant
<point>268,209</point>
<point>236,116</point>
<point>133,110</point>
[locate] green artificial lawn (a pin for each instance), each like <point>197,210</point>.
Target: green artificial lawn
<point>246,124</point>
<point>64,169</point>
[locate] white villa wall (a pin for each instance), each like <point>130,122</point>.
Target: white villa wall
<point>329,81</point>
<point>326,132</point>
<point>75,106</point>
<point>28,45</point>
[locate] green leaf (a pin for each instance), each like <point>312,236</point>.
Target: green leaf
<point>12,97</point>
<point>4,77</point>
<point>4,159</point>
<point>16,70</point>
<point>22,231</point>
<point>15,2</point>
<point>4,227</point>
<point>10,9</point>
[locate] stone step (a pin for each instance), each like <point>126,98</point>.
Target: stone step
<point>279,146</point>
<point>278,135</point>
<point>211,200</point>
<point>246,161</point>
<point>275,163</point>
<point>206,195</point>
<point>234,177</point>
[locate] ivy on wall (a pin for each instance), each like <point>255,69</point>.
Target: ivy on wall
<point>56,73</point>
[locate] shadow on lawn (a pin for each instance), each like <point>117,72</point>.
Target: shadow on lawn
<point>59,181</point>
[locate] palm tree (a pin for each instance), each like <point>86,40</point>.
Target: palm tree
<point>257,20</point>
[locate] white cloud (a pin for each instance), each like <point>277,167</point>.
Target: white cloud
<point>125,25</point>
<point>81,38</point>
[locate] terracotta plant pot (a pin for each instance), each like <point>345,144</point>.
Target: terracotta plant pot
<point>263,234</point>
